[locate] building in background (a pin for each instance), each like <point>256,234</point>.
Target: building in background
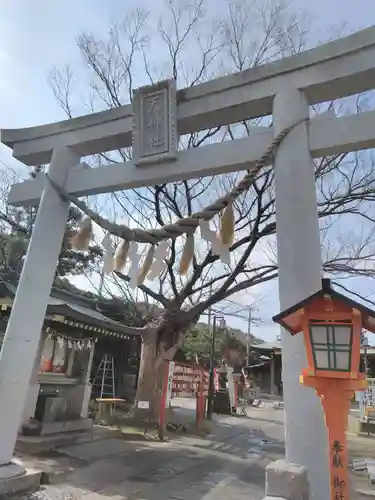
<point>264,368</point>
<point>265,365</point>
<point>75,337</point>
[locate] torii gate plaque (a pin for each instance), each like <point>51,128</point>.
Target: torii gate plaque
<point>284,88</point>
<point>155,123</point>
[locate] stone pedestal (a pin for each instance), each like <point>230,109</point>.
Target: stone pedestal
<point>287,480</point>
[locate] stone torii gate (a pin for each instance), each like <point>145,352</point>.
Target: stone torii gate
<point>284,89</point>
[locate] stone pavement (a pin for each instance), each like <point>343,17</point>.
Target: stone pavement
<point>228,464</point>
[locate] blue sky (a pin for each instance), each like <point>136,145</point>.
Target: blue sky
<point>35,35</point>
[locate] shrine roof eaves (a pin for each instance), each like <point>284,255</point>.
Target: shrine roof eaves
<point>72,310</point>
<point>267,346</point>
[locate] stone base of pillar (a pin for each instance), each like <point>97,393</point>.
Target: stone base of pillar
<point>10,470</point>
<point>287,480</point>
<point>14,478</point>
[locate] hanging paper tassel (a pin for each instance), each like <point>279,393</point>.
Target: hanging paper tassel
<point>108,255</point>
<point>146,265</point>
<point>227,225</point>
<point>187,254</point>
<point>159,264</point>
<point>81,239</point>
<point>206,232</point>
<point>134,268</point>
<point>211,237</point>
<point>221,250</point>
<point>121,255</point>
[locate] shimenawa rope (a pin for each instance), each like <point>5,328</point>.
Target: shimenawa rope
<point>184,225</point>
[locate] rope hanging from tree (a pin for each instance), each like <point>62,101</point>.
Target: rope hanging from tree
<point>156,237</point>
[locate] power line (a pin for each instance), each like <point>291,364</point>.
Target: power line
<point>353,293</point>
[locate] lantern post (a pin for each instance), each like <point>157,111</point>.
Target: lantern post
<point>332,324</point>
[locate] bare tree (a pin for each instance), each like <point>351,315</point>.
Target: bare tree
<point>191,44</point>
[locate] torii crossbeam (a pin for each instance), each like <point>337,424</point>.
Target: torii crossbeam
<point>284,89</point>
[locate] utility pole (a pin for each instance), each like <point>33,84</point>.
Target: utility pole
<point>248,337</point>
<point>211,382</point>
<point>211,390</point>
<point>209,312</point>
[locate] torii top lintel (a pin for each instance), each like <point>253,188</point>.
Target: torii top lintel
<point>337,69</point>
<point>346,63</point>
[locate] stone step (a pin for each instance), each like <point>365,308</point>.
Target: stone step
<point>36,444</point>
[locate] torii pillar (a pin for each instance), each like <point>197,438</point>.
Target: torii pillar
<point>300,267</point>
<point>26,320</point>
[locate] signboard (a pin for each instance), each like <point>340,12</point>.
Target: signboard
<point>231,389</point>
<point>367,399</point>
<point>143,405</point>
<point>155,135</point>
<point>185,378</point>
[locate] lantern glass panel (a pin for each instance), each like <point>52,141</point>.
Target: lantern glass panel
<point>319,334</point>
<point>331,346</point>
<point>321,360</point>
<point>342,360</point>
<point>343,334</point>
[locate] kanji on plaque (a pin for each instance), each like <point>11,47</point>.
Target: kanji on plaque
<point>155,123</point>
<point>155,137</point>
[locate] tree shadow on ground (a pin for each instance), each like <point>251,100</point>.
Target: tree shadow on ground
<point>182,476</point>
<point>230,461</point>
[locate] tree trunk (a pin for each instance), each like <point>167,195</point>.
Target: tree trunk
<point>160,343</point>
<point>150,381</point>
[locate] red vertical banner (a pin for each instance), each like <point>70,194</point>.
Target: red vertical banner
<point>200,398</point>
<point>235,395</point>
<point>197,388</point>
<point>216,380</point>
